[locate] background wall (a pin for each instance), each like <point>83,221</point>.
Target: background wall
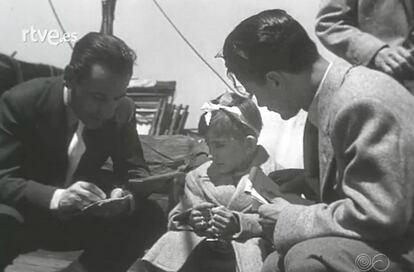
<point>162,55</point>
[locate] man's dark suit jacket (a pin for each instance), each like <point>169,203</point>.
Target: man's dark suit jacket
<point>34,140</point>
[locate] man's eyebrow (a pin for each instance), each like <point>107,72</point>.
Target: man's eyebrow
<point>120,96</point>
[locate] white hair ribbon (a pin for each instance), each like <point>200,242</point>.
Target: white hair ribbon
<point>209,108</point>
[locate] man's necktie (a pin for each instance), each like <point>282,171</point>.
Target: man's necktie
<point>75,151</point>
<point>311,158</point>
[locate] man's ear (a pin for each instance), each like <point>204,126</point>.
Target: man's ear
<point>275,79</point>
<point>250,143</point>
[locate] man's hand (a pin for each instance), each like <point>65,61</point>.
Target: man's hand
<point>269,214</point>
<point>119,193</point>
<point>78,196</point>
<point>224,222</point>
<point>200,216</point>
<point>395,61</point>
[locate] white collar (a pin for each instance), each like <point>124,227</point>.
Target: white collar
<point>71,117</point>
<point>313,112</point>
<point>66,95</point>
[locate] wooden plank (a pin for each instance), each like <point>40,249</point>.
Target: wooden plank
<point>42,260</point>
<point>51,261</point>
<point>183,119</point>
<point>175,113</point>
<point>64,255</point>
<point>156,118</point>
<point>29,268</point>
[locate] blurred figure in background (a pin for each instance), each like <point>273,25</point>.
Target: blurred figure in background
<point>375,33</point>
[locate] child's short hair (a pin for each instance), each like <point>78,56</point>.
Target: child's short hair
<point>225,122</point>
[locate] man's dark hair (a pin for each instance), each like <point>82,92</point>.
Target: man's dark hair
<point>268,41</point>
<point>103,49</point>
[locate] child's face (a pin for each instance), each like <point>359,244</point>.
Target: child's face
<point>228,154</point>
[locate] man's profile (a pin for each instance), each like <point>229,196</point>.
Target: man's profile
<point>358,149</point>
<point>55,135</point>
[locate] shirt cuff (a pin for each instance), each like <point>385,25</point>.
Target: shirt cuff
<point>54,202</point>
<point>241,229</point>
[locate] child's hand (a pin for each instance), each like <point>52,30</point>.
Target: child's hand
<point>224,222</point>
<point>199,216</point>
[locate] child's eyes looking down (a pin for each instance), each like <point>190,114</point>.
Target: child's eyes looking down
<point>221,143</point>
<point>216,145</point>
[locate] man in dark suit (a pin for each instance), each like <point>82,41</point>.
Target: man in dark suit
<point>55,135</point>
<point>375,33</point>
<point>358,151</point>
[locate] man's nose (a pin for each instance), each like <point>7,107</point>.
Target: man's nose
<point>107,109</point>
<point>260,101</point>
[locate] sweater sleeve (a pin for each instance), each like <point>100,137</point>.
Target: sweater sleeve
<point>193,195</point>
<point>249,226</point>
<point>375,205</point>
<point>129,154</point>
<point>337,28</point>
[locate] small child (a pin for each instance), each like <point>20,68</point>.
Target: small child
<point>214,227</point>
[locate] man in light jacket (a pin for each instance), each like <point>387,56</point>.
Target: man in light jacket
<point>358,151</point>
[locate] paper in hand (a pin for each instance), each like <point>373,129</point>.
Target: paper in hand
<point>258,199</point>
<point>147,186</point>
<point>109,207</point>
<point>263,185</point>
